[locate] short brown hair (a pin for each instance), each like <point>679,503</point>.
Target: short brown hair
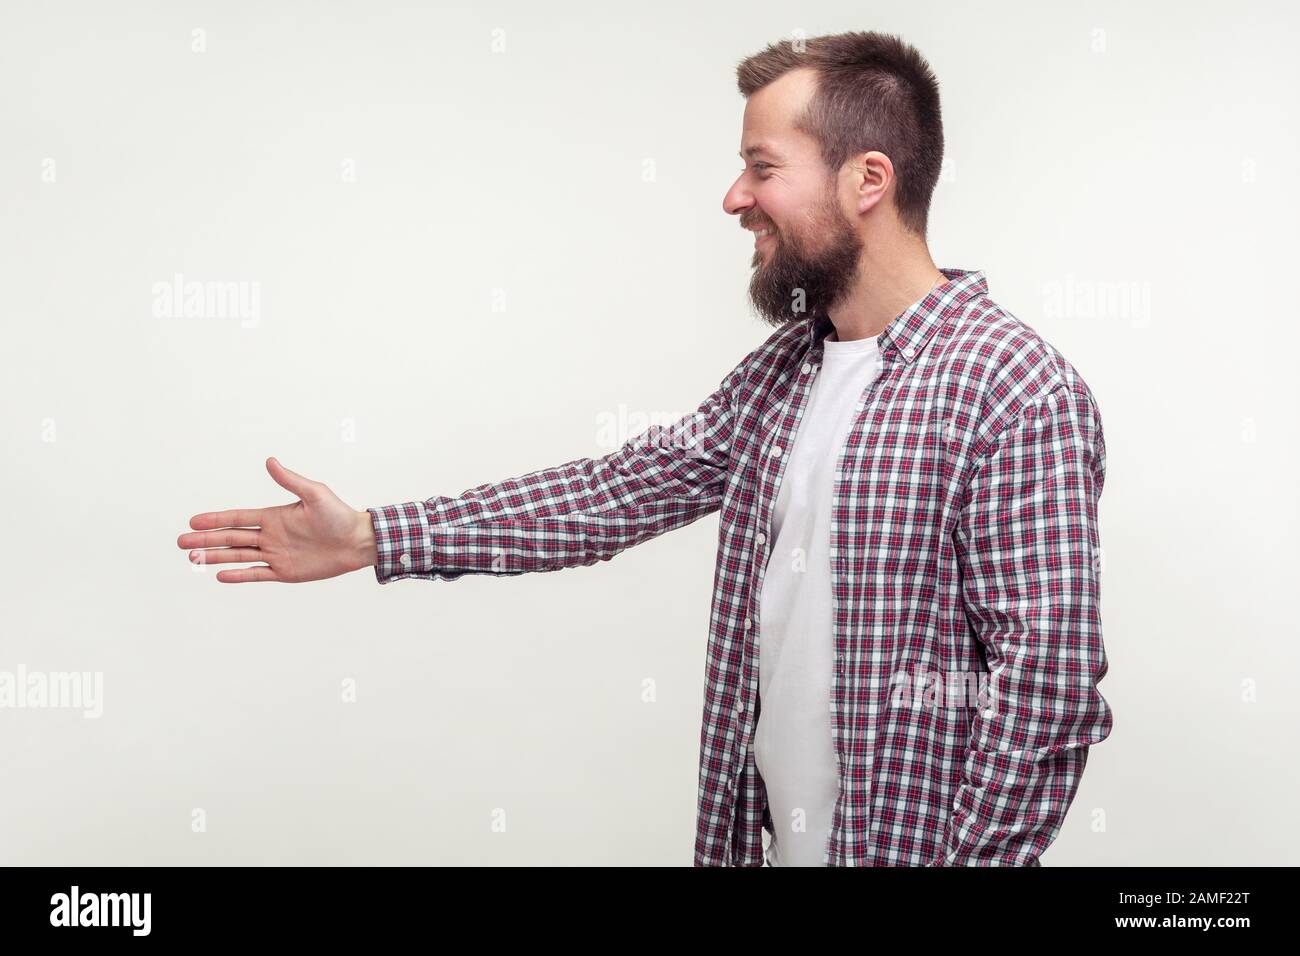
<point>874,92</point>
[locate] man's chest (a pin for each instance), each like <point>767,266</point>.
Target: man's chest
<point>895,456</point>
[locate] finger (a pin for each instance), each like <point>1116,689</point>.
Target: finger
<point>225,538</point>
<point>239,518</point>
<point>303,487</point>
<point>258,572</point>
<point>226,555</point>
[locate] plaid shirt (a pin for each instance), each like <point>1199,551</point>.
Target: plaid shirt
<point>964,552</point>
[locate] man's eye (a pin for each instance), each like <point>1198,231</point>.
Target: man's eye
<point>761,166</point>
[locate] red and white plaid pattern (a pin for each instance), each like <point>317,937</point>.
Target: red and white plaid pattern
<point>964,547</point>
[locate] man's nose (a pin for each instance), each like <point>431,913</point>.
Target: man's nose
<point>737,199</point>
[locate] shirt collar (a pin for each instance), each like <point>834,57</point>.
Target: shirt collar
<point>911,329</point>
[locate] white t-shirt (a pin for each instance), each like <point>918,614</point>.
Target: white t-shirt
<point>793,748</point>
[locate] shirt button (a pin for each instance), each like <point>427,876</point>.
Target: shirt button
<point>404,560</point>
<point>761,538</point>
<point>747,624</point>
<point>776,452</point>
<point>807,368</point>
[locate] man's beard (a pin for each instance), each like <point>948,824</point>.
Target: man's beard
<point>824,275</point>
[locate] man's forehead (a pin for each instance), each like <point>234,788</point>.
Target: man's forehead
<point>771,114</point>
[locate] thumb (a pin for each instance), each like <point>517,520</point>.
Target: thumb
<point>304,488</point>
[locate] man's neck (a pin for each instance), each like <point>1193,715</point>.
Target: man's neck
<point>886,286</point>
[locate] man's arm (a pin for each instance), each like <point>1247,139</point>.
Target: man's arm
<point>577,513</point>
<point>569,515</point>
<point>1027,540</point>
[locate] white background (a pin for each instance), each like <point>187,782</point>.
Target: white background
<point>580,171</point>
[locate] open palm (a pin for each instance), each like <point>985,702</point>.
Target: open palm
<point>314,538</point>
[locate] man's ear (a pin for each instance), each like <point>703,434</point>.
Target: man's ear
<point>873,175</point>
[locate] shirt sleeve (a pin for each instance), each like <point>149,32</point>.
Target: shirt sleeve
<point>1027,543</point>
<point>574,514</point>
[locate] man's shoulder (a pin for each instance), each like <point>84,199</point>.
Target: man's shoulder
<point>1003,365</point>
<point>774,355</point>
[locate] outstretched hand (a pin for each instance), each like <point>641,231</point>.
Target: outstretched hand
<point>314,538</point>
